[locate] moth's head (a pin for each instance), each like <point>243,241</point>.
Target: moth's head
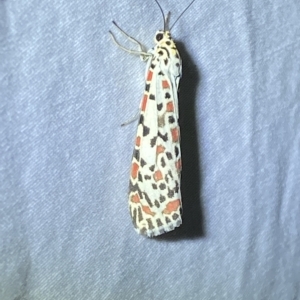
<point>162,37</point>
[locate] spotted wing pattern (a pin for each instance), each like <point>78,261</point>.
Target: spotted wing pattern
<point>154,196</point>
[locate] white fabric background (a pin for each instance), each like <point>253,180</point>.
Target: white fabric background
<point>65,89</point>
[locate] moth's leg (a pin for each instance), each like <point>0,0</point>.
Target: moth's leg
<point>132,120</point>
<point>142,52</point>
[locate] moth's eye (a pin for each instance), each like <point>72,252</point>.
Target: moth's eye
<point>159,36</point>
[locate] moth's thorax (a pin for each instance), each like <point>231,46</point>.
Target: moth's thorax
<point>165,47</point>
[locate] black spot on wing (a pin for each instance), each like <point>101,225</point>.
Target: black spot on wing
<point>176,188</point>
<point>167,220</point>
<point>163,163</point>
<point>162,186</point>
<point>171,119</point>
<point>150,225</point>
<point>140,214</point>
<point>162,198</point>
<point>140,178</point>
<point>176,151</point>
<point>159,106</point>
<point>159,223</point>
<point>153,141</point>
<point>170,193</point>
<point>164,137</point>
<point>169,155</point>
<point>148,199</point>
<point>141,121</point>
<point>146,130</point>
<point>136,154</point>
<point>133,187</point>
<point>143,163</point>
<point>147,177</point>
<point>167,178</point>
<point>134,218</point>
<point>175,216</point>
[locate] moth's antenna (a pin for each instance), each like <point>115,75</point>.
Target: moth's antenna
<point>167,22</point>
<point>165,27</point>
<point>181,13</point>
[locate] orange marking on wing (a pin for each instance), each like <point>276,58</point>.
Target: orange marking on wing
<point>170,106</point>
<point>175,134</point>
<point>172,206</point>
<point>134,170</point>
<point>149,76</point>
<point>178,165</point>
<point>165,84</point>
<point>160,149</point>
<point>135,198</point>
<point>138,141</point>
<point>147,210</point>
<point>158,175</point>
<point>144,102</point>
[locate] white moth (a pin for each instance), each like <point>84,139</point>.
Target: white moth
<point>154,193</point>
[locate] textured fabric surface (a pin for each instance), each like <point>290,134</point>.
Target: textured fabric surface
<point>65,88</point>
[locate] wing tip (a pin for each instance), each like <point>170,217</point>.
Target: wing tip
<point>159,230</point>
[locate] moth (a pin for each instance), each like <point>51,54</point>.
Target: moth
<point>154,192</point>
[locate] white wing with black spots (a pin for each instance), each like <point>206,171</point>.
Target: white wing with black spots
<point>154,197</point>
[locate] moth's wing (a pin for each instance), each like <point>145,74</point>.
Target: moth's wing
<point>154,198</point>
